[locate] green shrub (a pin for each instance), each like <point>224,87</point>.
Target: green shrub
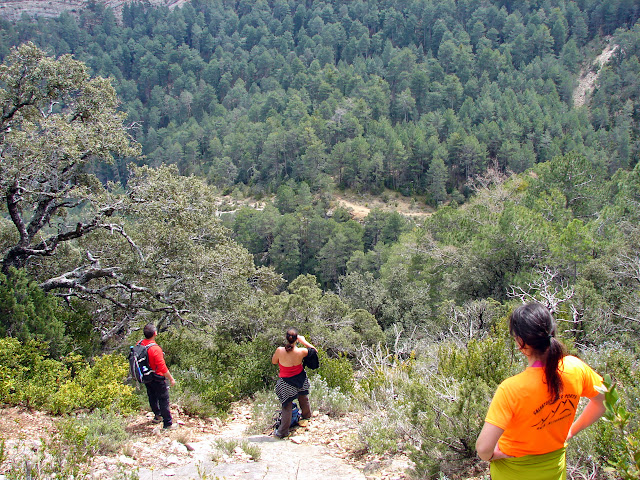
<point>252,450</point>
<point>380,433</point>
<point>192,403</point>
<point>605,443</point>
<point>228,447</point>
<point>67,398</point>
<point>372,381</point>
<point>449,406</point>
<point>491,360</point>
<point>3,451</point>
<point>626,462</point>
<point>14,365</point>
<point>253,368</point>
<point>97,386</point>
<point>46,376</point>
<point>327,399</point>
<point>336,372</point>
<point>27,313</point>
<point>214,370</point>
<point>101,431</point>
<point>437,401</point>
<point>29,377</point>
<point>448,416</point>
<point>70,448</point>
<point>125,472</point>
<point>205,394</point>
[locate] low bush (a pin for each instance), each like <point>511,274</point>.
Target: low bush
<point>29,377</point>
<point>97,386</point>
<point>230,446</point>
<point>606,443</point>
<point>433,405</point>
<point>336,372</point>
<point>70,449</point>
<point>439,400</point>
<point>326,399</point>
<point>192,403</point>
<point>100,432</point>
<point>204,394</point>
<point>214,371</point>
<point>381,433</point>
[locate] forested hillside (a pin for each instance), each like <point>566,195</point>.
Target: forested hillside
<point>111,215</point>
<point>415,96</point>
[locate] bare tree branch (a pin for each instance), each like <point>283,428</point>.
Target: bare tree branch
<point>545,290</point>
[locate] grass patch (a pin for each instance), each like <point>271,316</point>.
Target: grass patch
<point>229,446</point>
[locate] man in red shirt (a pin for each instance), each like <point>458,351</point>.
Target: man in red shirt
<point>157,389</point>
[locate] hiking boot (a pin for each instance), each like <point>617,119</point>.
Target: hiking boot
<point>280,437</point>
<point>173,426</point>
<point>157,419</point>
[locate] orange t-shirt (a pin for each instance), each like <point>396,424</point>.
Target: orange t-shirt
<point>532,424</point>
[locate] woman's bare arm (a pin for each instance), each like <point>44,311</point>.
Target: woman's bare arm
<point>487,443</point>
<point>304,342</point>
<point>592,412</point>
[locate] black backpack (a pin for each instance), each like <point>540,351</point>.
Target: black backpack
<point>296,415</point>
<point>139,363</point>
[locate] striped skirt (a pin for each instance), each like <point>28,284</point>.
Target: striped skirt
<point>288,388</point>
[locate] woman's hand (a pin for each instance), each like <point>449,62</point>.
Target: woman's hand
<point>304,342</point>
<point>498,454</point>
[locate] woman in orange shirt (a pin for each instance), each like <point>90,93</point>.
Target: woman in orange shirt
<point>531,416</point>
<point>292,382</point>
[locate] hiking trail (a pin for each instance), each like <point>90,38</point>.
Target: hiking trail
<point>327,448</point>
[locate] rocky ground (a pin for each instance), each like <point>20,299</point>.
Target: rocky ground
<point>589,75</point>
<point>14,9</point>
<point>326,448</point>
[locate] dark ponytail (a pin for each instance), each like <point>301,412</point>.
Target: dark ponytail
<point>535,326</point>
<point>292,336</point>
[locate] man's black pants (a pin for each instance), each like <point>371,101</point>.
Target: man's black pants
<point>158,393</point>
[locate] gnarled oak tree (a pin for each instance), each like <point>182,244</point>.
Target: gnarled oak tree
<point>155,248</point>
<point>54,120</point>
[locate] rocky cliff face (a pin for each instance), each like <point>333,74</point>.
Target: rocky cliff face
<point>14,9</point>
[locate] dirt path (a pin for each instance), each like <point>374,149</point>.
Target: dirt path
<point>588,77</point>
<point>309,453</point>
<point>360,207</point>
<point>325,449</point>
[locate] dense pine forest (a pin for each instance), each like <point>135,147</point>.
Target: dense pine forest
<point>111,215</point>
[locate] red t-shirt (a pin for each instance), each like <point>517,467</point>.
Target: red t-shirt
<point>156,357</point>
